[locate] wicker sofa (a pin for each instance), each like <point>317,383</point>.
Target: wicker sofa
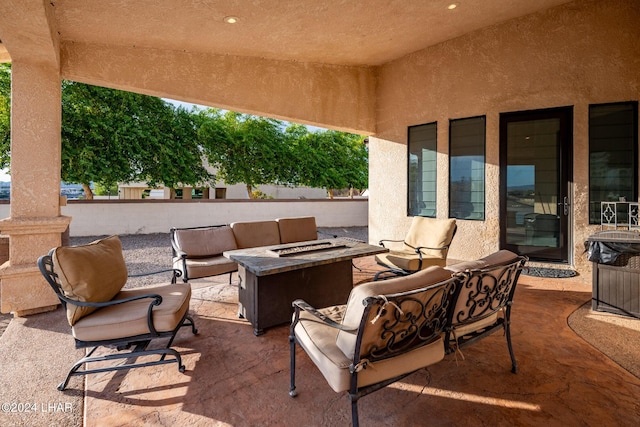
<point>197,251</point>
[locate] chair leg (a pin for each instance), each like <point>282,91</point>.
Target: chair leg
<point>138,351</point>
<point>191,323</point>
<point>514,365</point>
<point>507,332</point>
<point>74,368</point>
<point>292,386</point>
<point>354,410</point>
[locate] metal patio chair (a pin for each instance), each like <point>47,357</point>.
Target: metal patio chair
<point>387,330</point>
<point>426,243</point>
<point>88,281</point>
<point>483,305</point>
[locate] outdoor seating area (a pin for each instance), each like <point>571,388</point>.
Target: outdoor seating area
<point>494,150</point>
<point>234,378</point>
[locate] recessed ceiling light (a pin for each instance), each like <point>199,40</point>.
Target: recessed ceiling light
<point>452,6</point>
<point>231,19</point>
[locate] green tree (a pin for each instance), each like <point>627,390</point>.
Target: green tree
<point>245,149</point>
<point>5,115</point>
<point>111,136</point>
<point>331,160</point>
<point>100,190</point>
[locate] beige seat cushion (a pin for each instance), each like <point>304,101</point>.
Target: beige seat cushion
<point>409,260</point>
<point>95,272</point>
<point>130,319</point>
<point>251,234</point>
<point>298,229</point>
<point>205,267</point>
<point>319,342</point>
<point>355,308</point>
<point>205,242</point>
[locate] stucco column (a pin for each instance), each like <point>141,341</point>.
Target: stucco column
<point>35,224</point>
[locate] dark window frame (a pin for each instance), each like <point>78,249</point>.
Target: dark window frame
<point>435,171</point>
<point>484,168</point>
<point>636,152</point>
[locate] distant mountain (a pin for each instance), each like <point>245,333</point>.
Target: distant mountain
<point>521,188</point>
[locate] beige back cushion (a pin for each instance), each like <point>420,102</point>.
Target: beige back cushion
<point>299,229</point>
<point>355,309</point>
<point>205,242</point>
<point>432,233</point>
<point>95,272</point>
<point>251,234</point>
<point>502,257</point>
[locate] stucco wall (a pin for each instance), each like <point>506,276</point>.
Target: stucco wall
<point>339,97</point>
<point>577,54</point>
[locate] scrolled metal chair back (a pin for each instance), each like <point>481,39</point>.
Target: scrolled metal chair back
<point>486,291</point>
<point>397,323</point>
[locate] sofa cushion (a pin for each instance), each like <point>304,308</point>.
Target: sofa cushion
<point>251,234</point>
<point>205,242</point>
<point>130,319</point>
<point>205,267</point>
<point>355,308</point>
<point>298,229</point>
<point>95,272</point>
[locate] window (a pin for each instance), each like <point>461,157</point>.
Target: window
<point>422,170</point>
<point>466,168</point>
<point>613,155</point>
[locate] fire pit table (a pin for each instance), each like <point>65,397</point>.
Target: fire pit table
<point>272,277</point>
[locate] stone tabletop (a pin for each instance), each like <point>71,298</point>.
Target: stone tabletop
<point>264,260</point>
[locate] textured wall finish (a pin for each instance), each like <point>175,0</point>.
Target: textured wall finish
<point>577,54</point>
<point>35,223</point>
<point>339,97</point>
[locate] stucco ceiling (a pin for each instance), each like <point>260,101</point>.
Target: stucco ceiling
<point>346,32</point>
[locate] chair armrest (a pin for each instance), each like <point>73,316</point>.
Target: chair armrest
<point>166,270</point>
<point>381,242</point>
<point>157,301</point>
<point>420,248</point>
<point>178,253</point>
<point>327,234</point>
<point>301,305</point>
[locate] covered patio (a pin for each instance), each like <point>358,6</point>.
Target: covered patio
<point>234,378</point>
<point>375,68</point>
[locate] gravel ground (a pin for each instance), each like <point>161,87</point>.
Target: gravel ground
<point>146,253</point>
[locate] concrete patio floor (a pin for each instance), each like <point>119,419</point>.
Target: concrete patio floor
<point>233,378</point>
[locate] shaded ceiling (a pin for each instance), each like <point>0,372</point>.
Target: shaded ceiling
<point>344,32</point>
